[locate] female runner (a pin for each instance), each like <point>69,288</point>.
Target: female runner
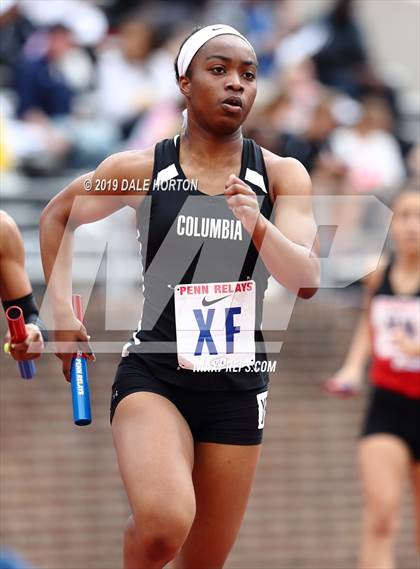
<point>188,441</point>
<point>389,331</point>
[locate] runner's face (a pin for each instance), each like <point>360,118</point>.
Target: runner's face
<point>406,224</point>
<point>222,87</point>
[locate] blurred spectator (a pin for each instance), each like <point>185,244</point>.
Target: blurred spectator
<point>161,121</point>
<point>265,25</point>
<point>307,146</point>
<point>288,112</point>
<point>336,45</point>
<point>370,152</point>
<point>44,95</point>
<point>135,72</point>
<point>75,106</point>
<point>342,62</point>
<point>41,86</point>
<point>301,44</point>
<point>264,22</point>
<point>117,9</point>
<point>59,126</point>
<point>188,11</point>
<point>15,29</point>
<point>83,18</point>
<point>365,159</point>
<point>300,84</point>
<point>35,145</point>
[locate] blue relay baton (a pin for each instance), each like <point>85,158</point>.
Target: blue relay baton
<point>79,377</point>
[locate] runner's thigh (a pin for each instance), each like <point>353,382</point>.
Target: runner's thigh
<point>155,455</point>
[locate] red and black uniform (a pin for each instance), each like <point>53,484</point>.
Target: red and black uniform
<point>395,401</point>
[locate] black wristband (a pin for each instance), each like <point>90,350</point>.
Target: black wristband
<point>30,312</point>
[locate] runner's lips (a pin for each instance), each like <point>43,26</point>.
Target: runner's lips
<point>233,101</point>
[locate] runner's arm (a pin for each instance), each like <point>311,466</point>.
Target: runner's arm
<point>288,245</point>
<point>75,206</point>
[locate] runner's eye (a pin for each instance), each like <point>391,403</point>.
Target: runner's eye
<point>249,75</point>
<point>218,69</point>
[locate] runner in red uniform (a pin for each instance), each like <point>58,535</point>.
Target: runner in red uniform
<point>389,331</point>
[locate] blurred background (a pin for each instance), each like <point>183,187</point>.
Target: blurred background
<point>339,89</point>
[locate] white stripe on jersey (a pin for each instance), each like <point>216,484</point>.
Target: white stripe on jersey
<point>255,178</point>
<point>167,174</point>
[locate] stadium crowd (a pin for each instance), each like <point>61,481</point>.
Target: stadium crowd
<point>83,79</point>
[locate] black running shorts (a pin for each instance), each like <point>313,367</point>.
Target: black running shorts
<point>228,417</point>
<point>392,413</point>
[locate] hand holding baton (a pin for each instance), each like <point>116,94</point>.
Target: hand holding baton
<point>16,323</point>
<point>79,376</point>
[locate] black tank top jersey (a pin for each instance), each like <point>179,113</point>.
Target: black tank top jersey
<point>385,287</point>
<point>176,253</point>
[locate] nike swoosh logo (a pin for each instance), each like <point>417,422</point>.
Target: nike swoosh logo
<point>210,302</point>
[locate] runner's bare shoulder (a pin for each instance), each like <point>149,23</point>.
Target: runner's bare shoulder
<point>287,176</point>
<point>126,167</point>
<point>10,235</point>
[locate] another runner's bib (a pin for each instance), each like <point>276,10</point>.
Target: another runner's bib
<point>388,314</point>
<point>215,325</point>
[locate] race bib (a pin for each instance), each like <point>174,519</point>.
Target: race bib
<point>391,313</point>
<point>215,325</point>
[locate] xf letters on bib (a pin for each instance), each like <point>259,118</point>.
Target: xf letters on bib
<point>215,325</point>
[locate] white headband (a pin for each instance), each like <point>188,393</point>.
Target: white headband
<point>197,40</point>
